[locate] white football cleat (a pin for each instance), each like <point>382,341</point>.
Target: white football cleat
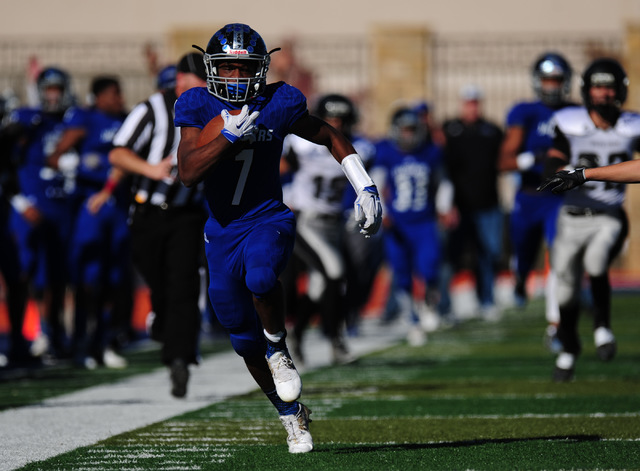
<point>285,376</point>
<point>112,360</point>
<point>416,337</point>
<point>299,439</point>
<point>605,343</point>
<point>429,318</point>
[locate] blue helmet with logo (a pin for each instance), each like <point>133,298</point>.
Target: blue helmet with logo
<point>551,65</point>
<point>53,77</point>
<point>166,78</point>
<point>237,42</point>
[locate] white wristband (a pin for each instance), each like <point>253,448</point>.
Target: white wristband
<point>444,197</point>
<point>525,160</point>
<point>355,172</point>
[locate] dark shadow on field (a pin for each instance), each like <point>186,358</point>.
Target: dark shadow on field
<point>385,447</point>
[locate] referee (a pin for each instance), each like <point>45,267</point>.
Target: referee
<point>167,220</point>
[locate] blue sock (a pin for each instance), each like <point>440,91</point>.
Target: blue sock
<point>284,408</point>
<point>273,347</point>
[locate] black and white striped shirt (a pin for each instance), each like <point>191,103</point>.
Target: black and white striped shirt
<point>148,131</point>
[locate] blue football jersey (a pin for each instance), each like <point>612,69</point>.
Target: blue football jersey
<point>43,131</point>
<point>535,118</point>
<point>93,168</point>
<point>249,182</point>
<point>411,180</point>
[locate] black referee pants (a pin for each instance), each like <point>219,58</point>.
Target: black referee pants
<point>166,245</point>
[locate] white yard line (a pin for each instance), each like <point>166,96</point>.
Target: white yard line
<point>85,417</point>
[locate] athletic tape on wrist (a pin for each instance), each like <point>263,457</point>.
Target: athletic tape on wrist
<point>355,172</point>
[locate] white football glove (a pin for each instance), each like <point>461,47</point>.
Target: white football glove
<point>368,211</point>
<point>68,162</point>
<point>240,125</point>
<point>525,160</point>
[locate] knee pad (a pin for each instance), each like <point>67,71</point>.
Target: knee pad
<point>260,280</point>
<point>247,344</point>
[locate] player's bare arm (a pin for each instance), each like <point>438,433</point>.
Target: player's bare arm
<point>513,139</point>
<point>195,161</point>
<point>130,162</point>
<point>69,139</point>
<point>368,210</point>
<point>624,172</point>
<point>319,132</point>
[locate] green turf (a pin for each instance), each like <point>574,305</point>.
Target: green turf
<point>477,396</point>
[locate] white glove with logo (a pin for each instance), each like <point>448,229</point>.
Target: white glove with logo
<point>240,125</point>
<point>368,209</point>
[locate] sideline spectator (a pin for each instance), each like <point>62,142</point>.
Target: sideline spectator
<point>471,159</point>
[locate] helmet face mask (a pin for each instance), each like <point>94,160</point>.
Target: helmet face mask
<point>337,107</point>
<point>407,130</point>
<point>236,43</point>
<point>551,77</point>
<point>54,90</point>
<point>605,73</point>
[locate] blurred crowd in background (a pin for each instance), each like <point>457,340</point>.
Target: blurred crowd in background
<point>447,188</point>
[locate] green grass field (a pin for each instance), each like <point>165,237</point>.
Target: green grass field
<point>477,396</point>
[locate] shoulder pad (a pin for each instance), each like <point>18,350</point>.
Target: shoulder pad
<point>628,124</point>
<point>574,121</point>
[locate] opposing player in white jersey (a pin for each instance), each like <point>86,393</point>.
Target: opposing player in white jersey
<point>316,196</point>
<point>592,223</point>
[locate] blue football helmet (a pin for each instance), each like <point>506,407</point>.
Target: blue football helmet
<point>52,77</point>
<point>553,66</point>
<point>166,78</point>
<point>236,42</point>
<point>407,129</point>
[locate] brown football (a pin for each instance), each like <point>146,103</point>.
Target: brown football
<point>212,129</point>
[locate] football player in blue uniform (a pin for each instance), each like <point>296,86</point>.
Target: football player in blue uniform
<point>15,280</point>
<point>42,219</point>
<point>413,170</point>
<point>528,135</point>
<point>100,250</point>
<point>250,233</point>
